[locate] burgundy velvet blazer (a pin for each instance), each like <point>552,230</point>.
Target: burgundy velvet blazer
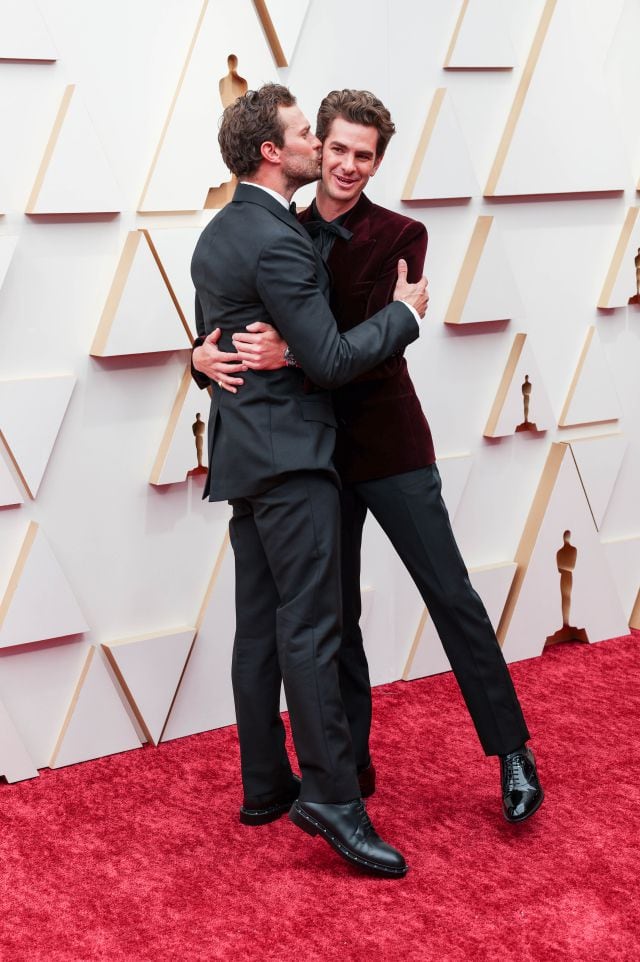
<point>382,430</point>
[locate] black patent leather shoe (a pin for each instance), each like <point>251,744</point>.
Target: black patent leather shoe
<point>348,829</point>
<point>367,780</point>
<point>522,793</point>
<point>267,808</point>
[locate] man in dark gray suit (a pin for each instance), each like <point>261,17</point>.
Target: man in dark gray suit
<point>270,455</point>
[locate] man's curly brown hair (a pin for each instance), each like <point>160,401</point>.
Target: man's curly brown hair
<point>358,107</point>
<point>249,122</point>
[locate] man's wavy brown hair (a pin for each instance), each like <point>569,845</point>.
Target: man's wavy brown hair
<point>249,122</point>
<point>358,107</point>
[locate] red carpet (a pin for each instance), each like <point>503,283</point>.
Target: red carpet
<point>140,857</point>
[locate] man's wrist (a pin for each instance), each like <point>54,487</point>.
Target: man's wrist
<point>289,357</point>
<point>414,312</point>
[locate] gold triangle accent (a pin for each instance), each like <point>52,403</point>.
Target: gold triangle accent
<point>616,260</point>
<point>505,383</point>
<point>51,146</point>
<point>115,293</point>
<point>170,429</point>
<point>425,137</point>
<point>634,620</point>
<point>18,569</point>
<point>414,646</point>
<point>521,93</point>
<point>72,705</point>
<point>167,122</point>
<point>203,609</point>
<point>456,32</point>
<point>534,520</point>
<point>271,33</point>
<point>468,270</point>
<point>576,376</point>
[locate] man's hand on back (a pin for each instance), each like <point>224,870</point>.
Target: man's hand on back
<point>260,347</point>
<point>416,295</point>
<point>218,365</point>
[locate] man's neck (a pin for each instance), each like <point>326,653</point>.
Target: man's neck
<point>328,208</point>
<point>273,183</point>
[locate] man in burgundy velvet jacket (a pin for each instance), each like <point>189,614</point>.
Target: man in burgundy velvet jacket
<point>384,450</point>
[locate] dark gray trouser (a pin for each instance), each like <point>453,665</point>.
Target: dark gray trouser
<point>286,543</point>
<point>410,510</point>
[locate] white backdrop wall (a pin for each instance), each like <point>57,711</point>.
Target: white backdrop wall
<point>139,557</point>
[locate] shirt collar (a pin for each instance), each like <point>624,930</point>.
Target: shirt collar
<point>274,193</point>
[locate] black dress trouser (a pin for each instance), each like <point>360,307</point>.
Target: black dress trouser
<point>410,510</point>
<point>286,543</point>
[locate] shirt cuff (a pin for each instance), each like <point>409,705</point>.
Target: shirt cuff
<point>414,312</point>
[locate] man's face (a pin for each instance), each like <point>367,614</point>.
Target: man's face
<point>302,150</point>
<point>348,160</point>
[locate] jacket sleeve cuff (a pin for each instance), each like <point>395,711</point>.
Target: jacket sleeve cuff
<point>201,379</point>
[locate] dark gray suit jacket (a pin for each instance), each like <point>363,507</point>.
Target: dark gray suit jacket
<point>254,262</point>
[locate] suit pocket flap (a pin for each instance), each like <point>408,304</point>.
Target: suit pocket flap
<point>318,411</point>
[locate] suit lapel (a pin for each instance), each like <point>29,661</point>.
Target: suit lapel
<point>245,193</point>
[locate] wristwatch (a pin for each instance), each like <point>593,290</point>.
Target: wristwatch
<point>289,358</point>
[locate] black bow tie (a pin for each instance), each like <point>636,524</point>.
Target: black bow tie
<point>292,208</point>
<point>316,228</point>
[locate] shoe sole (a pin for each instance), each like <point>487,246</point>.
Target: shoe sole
<point>262,816</point>
<point>523,818</point>
<point>311,826</point>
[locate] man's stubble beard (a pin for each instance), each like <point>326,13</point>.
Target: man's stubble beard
<point>298,174</point>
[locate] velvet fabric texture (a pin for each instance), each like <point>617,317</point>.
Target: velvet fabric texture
<point>141,858</point>
<point>382,429</point>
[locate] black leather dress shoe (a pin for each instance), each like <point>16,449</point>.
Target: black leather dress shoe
<point>267,808</point>
<point>348,829</point>
<point>522,793</point>
<point>367,780</point>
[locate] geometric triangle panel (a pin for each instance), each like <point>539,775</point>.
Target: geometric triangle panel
<point>173,249</point>
<point>560,138</point>
<point>485,289</point>
<point>9,492</point>
<point>209,666</point>
<point>622,283</point>
<point>481,39</point>
<point>38,602</point>
<point>521,402</point>
<point>592,396</point>
<point>31,413</point>
<point>15,763</point>
<point>140,315</point>
<point>282,22</point>
<point>23,34</point>
<point>598,461</point>
<point>74,176</point>
<point>97,723</point>
<point>8,244</point>
<point>442,166</point>
<point>183,449</point>
<point>623,558</point>
<point>187,162</point>
<point>454,471</point>
<point>149,669</point>
<point>563,587</point>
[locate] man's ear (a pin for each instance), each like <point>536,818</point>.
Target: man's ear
<point>270,152</point>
